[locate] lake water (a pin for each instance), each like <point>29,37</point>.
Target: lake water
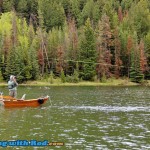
<point>84,118</point>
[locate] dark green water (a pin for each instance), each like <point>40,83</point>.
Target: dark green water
<point>86,118</point>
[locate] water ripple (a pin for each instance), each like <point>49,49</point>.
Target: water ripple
<point>108,109</point>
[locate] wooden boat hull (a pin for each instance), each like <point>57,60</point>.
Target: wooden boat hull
<point>7,102</point>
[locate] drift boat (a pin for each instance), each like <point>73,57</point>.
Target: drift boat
<point>8,101</point>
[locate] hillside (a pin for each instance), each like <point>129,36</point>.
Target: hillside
<point>75,39</point>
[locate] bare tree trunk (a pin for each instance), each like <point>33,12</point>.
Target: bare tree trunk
<point>14,30</point>
<point>1,5</point>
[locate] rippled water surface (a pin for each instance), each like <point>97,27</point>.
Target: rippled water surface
<point>86,118</point>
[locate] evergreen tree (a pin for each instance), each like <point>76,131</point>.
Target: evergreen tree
<point>139,16</point>
<point>136,74</point>
<point>67,6</point>
<point>14,65</point>
<point>90,10</point>
<point>104,43</point>
<point>75,10</point>
<point>53,14</point>
<point>34,71</point>
<point>120,14</point>
<point>129,53</point>
<point>27,8</point>
<point>60,59</point>
<point>126,45</point>
<point>57,45</point>
<point>109,10</point>
<point>117,46</point>
<point>59,36</point>
<point>22,6</point>
<point>72,45</point>
<point>6,40</point>
<point>8,5</point>
<point>23,49</point>
<point>147,53</point>
<point>88,52</point>
<point>143,59</point>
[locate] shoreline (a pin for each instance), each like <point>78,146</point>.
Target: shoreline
<point>113,82</point>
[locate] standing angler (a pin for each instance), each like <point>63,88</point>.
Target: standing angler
<point>12,85</point>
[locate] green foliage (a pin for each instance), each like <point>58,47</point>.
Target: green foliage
<point>21,58</point>
<point>63,77</point>
<point>34,70</point>
<point>12,67</point>
<point>61,35</point>
<point>103,79</point>
<point>140,17</point>
<point>90,10</point>
<point>51,77</point>
<point>1,77</point>
<point>136,74</point>
<point>75,9</point>
<point>8,5</point>
<point>147,43</point>
<point>126,4</point>
<point>22,6</point>
<point>88,52</point>
<point>53,14</point>
<point>74,78</point>
<point>5,24</point>
<point>108,9</point>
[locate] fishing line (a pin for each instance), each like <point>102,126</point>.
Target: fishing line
<point>77,61</point>
<point>50,101</point>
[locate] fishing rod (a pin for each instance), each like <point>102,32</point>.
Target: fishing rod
<point>22,70</point>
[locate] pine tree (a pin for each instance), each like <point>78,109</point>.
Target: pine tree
<point>126,41</point>
<point>136,74</point>
<point>143,59</point>
<point>71,45</point>
<point>129,51</point>
<point>108,10</point>
<point>147,53</point>
<point>14,65</point>
<point>41,61</point>
<point>88,52</point>
<point>59,37</point>
<point>118,61</point>
<point>60,59</point>
<point>104,43</point>
<point>6,40</point>
<point>120,14</point>
<point>90,10</point>
<point>8,5</point>
<point>73,39</point>
<point>34,71</point>
<point>75,9</point>
<point>53,14</point>
<point>139,17</point>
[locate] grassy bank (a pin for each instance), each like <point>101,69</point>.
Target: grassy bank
<point>57,82</point>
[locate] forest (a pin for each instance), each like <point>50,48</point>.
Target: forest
<point>75,39</point>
